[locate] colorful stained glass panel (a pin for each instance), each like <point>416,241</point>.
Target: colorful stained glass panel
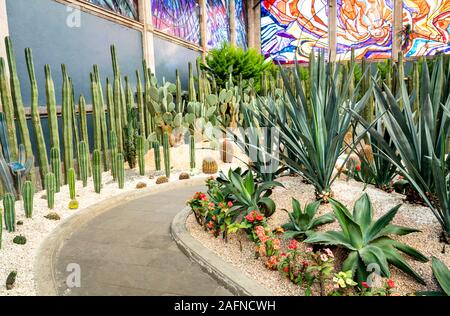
<point>127,8</point>
<point>429,25</point>
<point>218,25</point>
<point>241,23</point>
<point>291,29</point>
<point>366,26</point>
<point>178,18</point>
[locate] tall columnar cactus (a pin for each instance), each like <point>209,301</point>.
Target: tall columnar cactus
<point>103,125</point>
<point>9,202</point>
<point>192,151</point>
<point>71,178</point>
<point>110,106</point>
<point>416,88</point>
<point>27,195</point>
<point>75,126</point>
<point>8,110</point>
<point>83,126</point>
<point>35,116</point>
<point>55,161</point>
<point>113,142</point>
<point>401,74</point>
<point>67,123</point>
<point>140,105</point>
<point>178,98</point>
<point>141,154</point>
<point>84,162</point>
<point>95,114</point>
<point>120,170</point>
<point>97,170</point>
<point>157,155</point>
<point>166,152</point>
<point>117,96</point>
<point>51,108</point>
<point>18,103</point>
<point>369,111</point>
<point>192,96</point>
<point>200,84</point>
<point>50,187</point>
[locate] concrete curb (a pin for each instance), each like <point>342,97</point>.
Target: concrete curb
<point>45,280</point>
<point>230,277</point>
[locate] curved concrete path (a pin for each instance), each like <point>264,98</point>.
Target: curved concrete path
<point>128,250</point>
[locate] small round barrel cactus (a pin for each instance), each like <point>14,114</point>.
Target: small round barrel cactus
<point>209,166</point>
<point>162,179</point>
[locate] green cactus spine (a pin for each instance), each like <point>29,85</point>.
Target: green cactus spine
<point>50,187</point>
<point>18,103</point>
<point>166,152</point>
<point>55,161</point>
<point>141,154</point>
<point>157,155</point>
<point>67,123</point>
<point>9,201</point>
<point>192,151</point>
<point>71,178</point>
<point>8,109</point>
<point>120,170</point>
<point>27,195</point>
<point>97,170</point>
<point>51,108</point>
<point>84,162</point>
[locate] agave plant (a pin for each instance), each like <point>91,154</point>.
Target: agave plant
<point>368,241</point>
<point>420,138</point>
<point>442,275</point>
<point>248,194</point>
<point>303,222</point>
<point>312,130</point>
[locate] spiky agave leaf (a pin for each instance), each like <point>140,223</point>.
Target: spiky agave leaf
<point>368,241</point>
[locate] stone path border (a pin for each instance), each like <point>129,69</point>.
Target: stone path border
<point>44,264</point>
<point>229,276</point>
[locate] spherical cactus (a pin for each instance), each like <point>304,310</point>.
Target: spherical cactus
<point>162,179</point>
<point>184,176</point>
<point>73,204</point>
<point>226,151</point>
<point>209,166</point>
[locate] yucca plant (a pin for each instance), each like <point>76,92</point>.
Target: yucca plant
<point>442,275</point>
<point>249,195</point>
<point>312,130</point>
<point>368,241</point>
<point>303,222</point>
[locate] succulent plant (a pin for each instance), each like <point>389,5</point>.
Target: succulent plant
<point>97,171</point>
<point>226,151</point>
<point>9,202</point>
<point>11,280</point>
<point>55,161</point>
<point>53,216</point>
<point>28,194</point>
<point>162,179</point>
<point>184,176</point>
<point>73,204</point>
<point>20,240</point>
<point>50,187</point>
<point>71,180</point>
<point>120,170</point>
<point>209,166</point>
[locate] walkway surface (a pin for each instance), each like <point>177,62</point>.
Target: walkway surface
<point>128,250</point>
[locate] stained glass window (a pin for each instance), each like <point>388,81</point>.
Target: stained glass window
<point>127,8</point>
<point>291,29</point>
<point>179,18</point>
<point>426,27</point>
<point>218,24</point>
<point>366,26</point>
<point>241,23</point>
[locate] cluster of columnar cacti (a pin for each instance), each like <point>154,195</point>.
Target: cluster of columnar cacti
<point>27,195</point>
<point>9,209</point>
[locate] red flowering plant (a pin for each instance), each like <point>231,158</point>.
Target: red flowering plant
<point>320,267</point>
<point>268,247</point>
<point>366,289</point>
<point>199,205</point>
<point>292,264</point>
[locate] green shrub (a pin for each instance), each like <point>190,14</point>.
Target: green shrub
<point>250,64</point>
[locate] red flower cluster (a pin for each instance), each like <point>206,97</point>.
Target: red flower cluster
<point>200,196</point>
<point>358,168</point>
<point>254,216</point>
<point>293,244</point>
<point>365,285</point>
<point>390,284</point>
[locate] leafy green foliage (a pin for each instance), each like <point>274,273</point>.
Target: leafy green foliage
<point>368,241</point>
<point>303,222</point>
<point>229,60</point>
